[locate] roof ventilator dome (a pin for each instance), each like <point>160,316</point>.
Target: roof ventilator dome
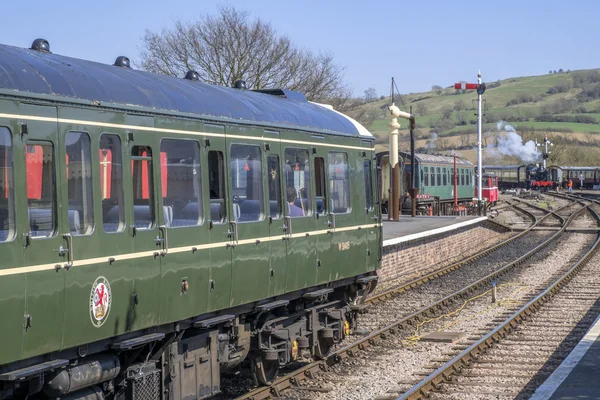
<point>123,62</point>
<point>240,85</point>
<point>192,75</point>
<point>41,45</point>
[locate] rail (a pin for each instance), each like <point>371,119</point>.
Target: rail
<point>310,370</point>
<point>454,366</point>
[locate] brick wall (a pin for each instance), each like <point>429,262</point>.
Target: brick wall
<point>408,260</point>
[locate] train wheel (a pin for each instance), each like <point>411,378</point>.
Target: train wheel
<point>325,343</point>
<point>264,371</point>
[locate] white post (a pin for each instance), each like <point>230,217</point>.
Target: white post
<point>479,163</point>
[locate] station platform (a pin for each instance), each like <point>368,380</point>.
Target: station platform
<point>410,228</point>
<point>577,376</point>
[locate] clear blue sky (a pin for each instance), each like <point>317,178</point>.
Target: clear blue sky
<point>420,43</point>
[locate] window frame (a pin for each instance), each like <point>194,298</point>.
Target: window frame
<point>309,198</point>
<point>261,201</point>
<point>91,185</point>
<point>149,159</point>
<point>121,195</point>
<point>197,179</point>
<point>54,197</point>
<point>347,176</point>
<point>369,201</point>
<point>10,187</point>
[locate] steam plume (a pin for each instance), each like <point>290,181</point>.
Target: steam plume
<point>512,144</point>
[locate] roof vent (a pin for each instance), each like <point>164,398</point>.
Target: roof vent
<point>122,61</point>
<point>192,75</point>
<point>240,85</point>
<point>41,45</point>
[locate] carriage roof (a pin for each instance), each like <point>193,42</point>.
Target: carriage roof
<point>29,72</point>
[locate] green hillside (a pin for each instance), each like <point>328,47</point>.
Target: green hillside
<point>563,105</point>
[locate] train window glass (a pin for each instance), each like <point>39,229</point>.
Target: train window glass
<point>246,182</point>
<point>216,186</point>
<point>41,188</point>
<point>462,176</point>
<point>339,182</point>
<point>143,187</point>
<point>445,177</point>
<point>274,186</point>
<point>426,176</point>
<point>439,177</point>
<point>369,184</point>
<point>320,185</point>
<point>297,182</point>
<point>181,191</point>
<point>7,205</point>
<point>79,183</point>
<point>111,183</point>
<point>432,176</point>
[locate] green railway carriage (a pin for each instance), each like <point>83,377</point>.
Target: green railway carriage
<point>435,181</point>
<point>147,244</point>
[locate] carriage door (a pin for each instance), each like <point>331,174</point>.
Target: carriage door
<point>12,284</point>
<point>250,225</point>
<point>220,235</point>
<point>373,217</point>
<point>148,230</point>
<point>299,217</point>
<point>276,201</point>
<point>185,271</point>
<point>46,241</point>
<point>346,211</point>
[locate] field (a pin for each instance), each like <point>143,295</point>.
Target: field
<point>570,100</point>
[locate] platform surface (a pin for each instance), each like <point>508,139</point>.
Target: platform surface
<point>409,228</point>
<point>578,377</point>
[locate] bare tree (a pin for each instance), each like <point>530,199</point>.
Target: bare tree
<point>229,47</point>
<point>459,105</point>
<point>370,95</point>
<point>421,109</point>
<point>446,112</point>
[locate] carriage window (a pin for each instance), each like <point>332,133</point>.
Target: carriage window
<point>111,183</point>
<point>432,175</point>
<point>339,182</point>
<point>79,183</point>
<point>7,207</point>
<point>439,177</point>
<point>246,182</point>
<point>274,186</point>
<point>320,185</point>
<point>426,176</point>
<point>445,177</point>
<point>369,184</point>
<point>297,182</point>
<point>462,177</point>
<point>181,191</point>
<point>216,185</point>
<point>41,189</point>
<point>143,187</point>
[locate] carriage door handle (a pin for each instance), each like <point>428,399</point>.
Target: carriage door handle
<point>233,233</point>
<point>288,226</point>
<point>69,250</point>
<point>331,222</point>
<point>165,239</point>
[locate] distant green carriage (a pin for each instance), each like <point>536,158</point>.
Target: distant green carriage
<point>435,180</point>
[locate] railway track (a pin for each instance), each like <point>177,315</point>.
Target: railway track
<point>516,356</point>
<point>294,379</point>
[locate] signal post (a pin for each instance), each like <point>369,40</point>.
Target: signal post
<point>480,87</point>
